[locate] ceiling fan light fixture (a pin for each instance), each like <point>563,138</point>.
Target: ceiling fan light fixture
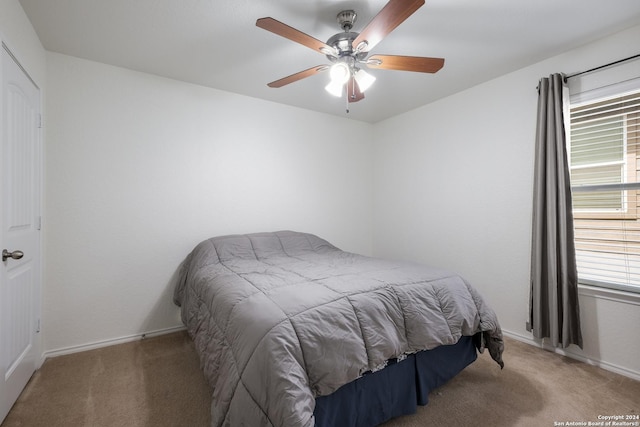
<point>339,73</point>
<point>364,79</point>
<point>334,88</point>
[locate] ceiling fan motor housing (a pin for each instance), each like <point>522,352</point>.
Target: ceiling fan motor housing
<point>343,42</point>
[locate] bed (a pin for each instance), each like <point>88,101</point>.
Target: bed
<point>292,331</point>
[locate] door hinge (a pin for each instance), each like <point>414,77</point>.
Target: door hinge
<point>39,121</point>
<point>38,327</point>
<point>39,223</point>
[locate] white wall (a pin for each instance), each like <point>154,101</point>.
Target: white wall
<point>453,188</point>
<point>141,168</point>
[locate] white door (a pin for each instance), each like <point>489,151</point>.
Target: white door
<point>19,235</point>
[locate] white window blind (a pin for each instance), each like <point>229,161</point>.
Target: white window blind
<point>604,135</point>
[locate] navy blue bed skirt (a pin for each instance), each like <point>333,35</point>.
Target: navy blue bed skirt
<point>396,390</point>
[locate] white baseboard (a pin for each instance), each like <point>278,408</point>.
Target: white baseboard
<point>109,342</point>
<point>630,373</point>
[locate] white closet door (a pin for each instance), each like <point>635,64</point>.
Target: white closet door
<point>19,236</point>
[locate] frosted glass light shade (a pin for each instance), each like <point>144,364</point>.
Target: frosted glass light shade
<point>364,79</point>
<point>334,88</point>
<point>339,72</point>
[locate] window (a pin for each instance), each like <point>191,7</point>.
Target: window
<point>605,179</point>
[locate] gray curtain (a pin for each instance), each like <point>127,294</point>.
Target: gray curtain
<point>554,311</point>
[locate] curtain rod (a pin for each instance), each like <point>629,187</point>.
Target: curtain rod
<point>601,66</point>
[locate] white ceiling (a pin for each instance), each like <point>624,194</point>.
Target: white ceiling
<point>215,43</point>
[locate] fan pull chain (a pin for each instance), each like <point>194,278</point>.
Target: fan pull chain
<point>346,100</point>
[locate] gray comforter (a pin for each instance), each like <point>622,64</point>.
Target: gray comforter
<point>280,318</point>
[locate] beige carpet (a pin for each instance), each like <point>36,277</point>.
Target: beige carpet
<point>153,382</point>
<point>157,382</point>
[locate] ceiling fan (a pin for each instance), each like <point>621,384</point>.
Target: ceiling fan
<point>348,50</point>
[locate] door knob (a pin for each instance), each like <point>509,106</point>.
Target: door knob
<point>13,255</point>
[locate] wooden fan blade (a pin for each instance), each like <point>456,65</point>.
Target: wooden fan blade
<point>353,91</point>
<point>298,76</point>
<point>297,36</point>
<point>393,14</point>
<point>405,63</point>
